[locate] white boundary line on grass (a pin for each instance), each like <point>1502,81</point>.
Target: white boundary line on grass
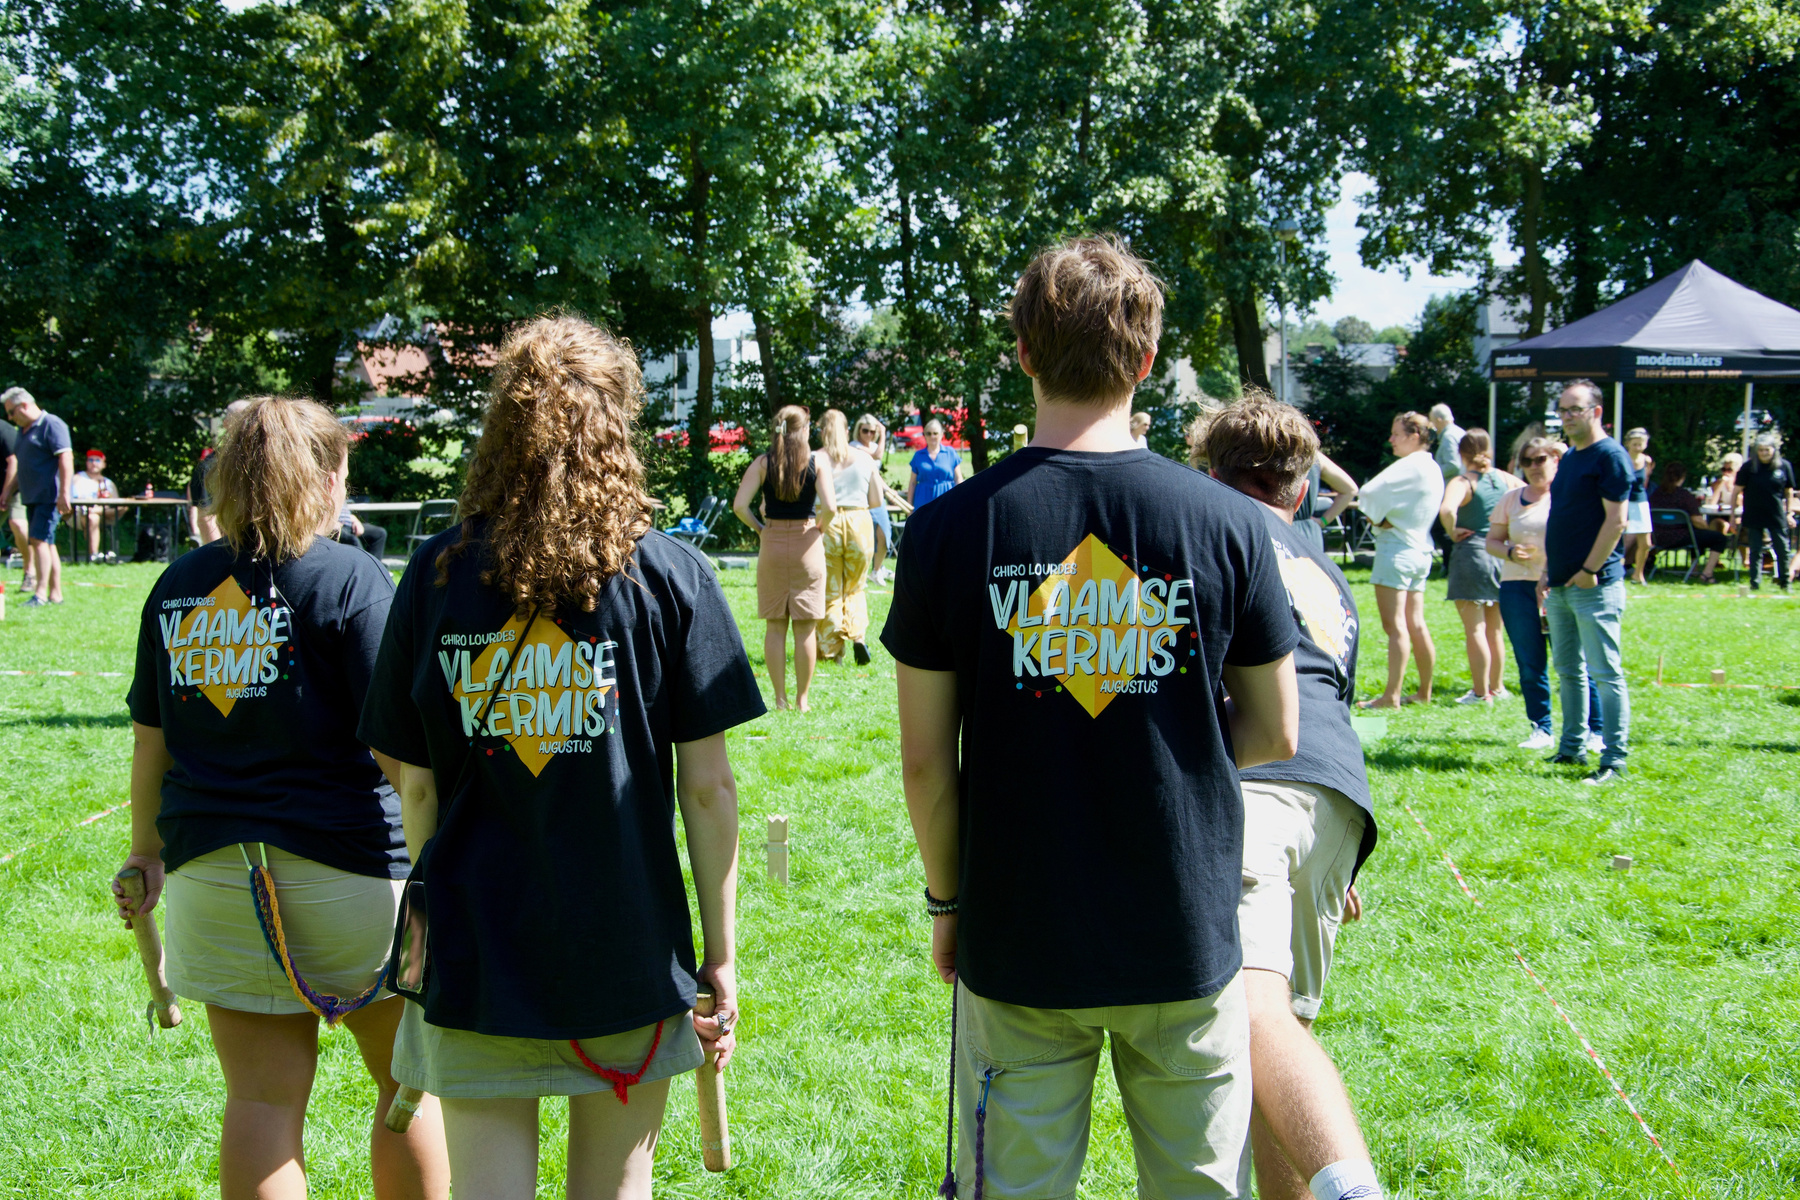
<point>4,859</point>
<point>1593,1055</point>
<point>69,674</point>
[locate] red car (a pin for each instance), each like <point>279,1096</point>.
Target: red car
<point>722,438</point>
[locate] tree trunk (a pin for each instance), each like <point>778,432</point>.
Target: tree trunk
<point>1537,287</point>
<point>907,295</point>
<point>765,350</point>
<point>1537,283</point>
<point>974,427</point>
<point>701,418</point>
<point>1247,334</point>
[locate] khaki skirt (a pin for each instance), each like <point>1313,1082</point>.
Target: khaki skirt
<point>339,928</point>
<point>460,1065</point>
<point>790,572</point>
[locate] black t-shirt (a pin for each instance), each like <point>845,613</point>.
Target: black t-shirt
<point>1330,753</point>
<point>1762,487</point>
<point>258,701</point>
<point>554,883</point>
<point>1584,478</point>
<point>1087,603</point>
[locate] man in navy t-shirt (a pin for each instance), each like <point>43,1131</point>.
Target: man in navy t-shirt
<point>1583,585</point>
<point>1067,624</point>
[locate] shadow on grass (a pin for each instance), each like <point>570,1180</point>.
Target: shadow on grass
<point>1396,758</point>
<point>1772,747</point>
<point>71,721</point>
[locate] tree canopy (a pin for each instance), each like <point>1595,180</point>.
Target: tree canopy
<point>198,201</point>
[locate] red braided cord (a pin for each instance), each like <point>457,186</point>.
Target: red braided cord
<point>619,1080</point>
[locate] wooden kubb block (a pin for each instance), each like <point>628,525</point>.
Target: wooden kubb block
<point>778,848</point>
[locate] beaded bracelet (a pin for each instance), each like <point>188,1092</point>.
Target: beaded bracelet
<point>939,908</point>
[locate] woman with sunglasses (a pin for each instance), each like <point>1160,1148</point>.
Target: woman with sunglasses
<point>556,680</point>
<point>1515,537</point>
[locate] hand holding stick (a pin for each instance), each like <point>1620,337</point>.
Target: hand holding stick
<point>162,1001</point>
<point>715,1129</point>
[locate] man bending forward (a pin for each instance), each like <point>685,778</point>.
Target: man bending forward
<point>1308,825</point>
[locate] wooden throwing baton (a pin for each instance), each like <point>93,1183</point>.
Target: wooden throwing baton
<point>162,1008</point>
<point>405,1106</point>
<point>715,1130</point>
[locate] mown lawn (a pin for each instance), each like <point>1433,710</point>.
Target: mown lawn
<point>1682,973</point>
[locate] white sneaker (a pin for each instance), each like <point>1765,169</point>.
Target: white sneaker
<point>1595,743</point>
<point>1471,697</point>
<point>1501,693</point>
<point>1539,740</point>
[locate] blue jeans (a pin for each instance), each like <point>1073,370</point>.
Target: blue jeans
<point>1531,650</point>
<point>1584,638</point>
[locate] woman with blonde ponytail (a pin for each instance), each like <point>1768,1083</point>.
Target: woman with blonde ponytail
<point>555,682</point>
<point>1466,513</point>
<point>790,567</point>
<point>258,810</point>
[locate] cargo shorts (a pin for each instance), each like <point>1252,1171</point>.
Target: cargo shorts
<point>1183,1071</point>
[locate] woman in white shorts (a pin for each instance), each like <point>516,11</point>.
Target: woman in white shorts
<point>254,652</point>
<point>1402,502</point>
<point>547,667</point>
<point>1637,503</point>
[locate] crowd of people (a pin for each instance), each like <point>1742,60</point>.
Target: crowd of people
<point>495,751</point>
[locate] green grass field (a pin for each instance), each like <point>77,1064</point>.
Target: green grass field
<point>1682,973</point>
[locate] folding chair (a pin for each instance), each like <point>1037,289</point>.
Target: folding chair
<point>434,517</point>
<point>1674,520</point>
<point>697,530</point>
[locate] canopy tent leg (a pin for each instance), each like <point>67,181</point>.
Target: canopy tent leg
<point>1749,395</point>
<point>1619,409</point>
<point>1493,399</point>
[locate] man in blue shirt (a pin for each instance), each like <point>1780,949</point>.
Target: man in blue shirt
<point>46,472</point>
<point>1583,585</point>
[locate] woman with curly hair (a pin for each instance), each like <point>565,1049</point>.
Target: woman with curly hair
<point>251,790</point>
<point>555,681</point>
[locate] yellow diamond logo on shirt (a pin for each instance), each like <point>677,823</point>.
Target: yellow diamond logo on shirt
<point>1093,627</point>
<point>550,694</point>
<point>230,661</point>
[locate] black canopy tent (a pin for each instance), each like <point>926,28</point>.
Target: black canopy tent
<point>1693,326</point>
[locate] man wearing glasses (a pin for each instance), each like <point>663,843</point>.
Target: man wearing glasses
<point>1583,584</point>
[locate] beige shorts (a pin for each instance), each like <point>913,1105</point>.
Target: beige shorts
<point>476,1066</point>
<point>790,571</point>
<point>339,929</point>
<point>1300,844</point>
<point>1183,1071</point>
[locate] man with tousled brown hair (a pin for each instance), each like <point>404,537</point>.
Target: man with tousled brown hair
<point>1065,623</point>
<point>1308,825</point>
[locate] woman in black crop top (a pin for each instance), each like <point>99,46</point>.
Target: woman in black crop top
<point>790,567</point>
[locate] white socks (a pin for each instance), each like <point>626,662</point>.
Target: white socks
<point>1347,1180</point>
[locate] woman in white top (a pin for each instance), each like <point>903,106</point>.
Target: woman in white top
<point>1515,536</point>
<point>1402,502</point>
<point>849,540</point>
